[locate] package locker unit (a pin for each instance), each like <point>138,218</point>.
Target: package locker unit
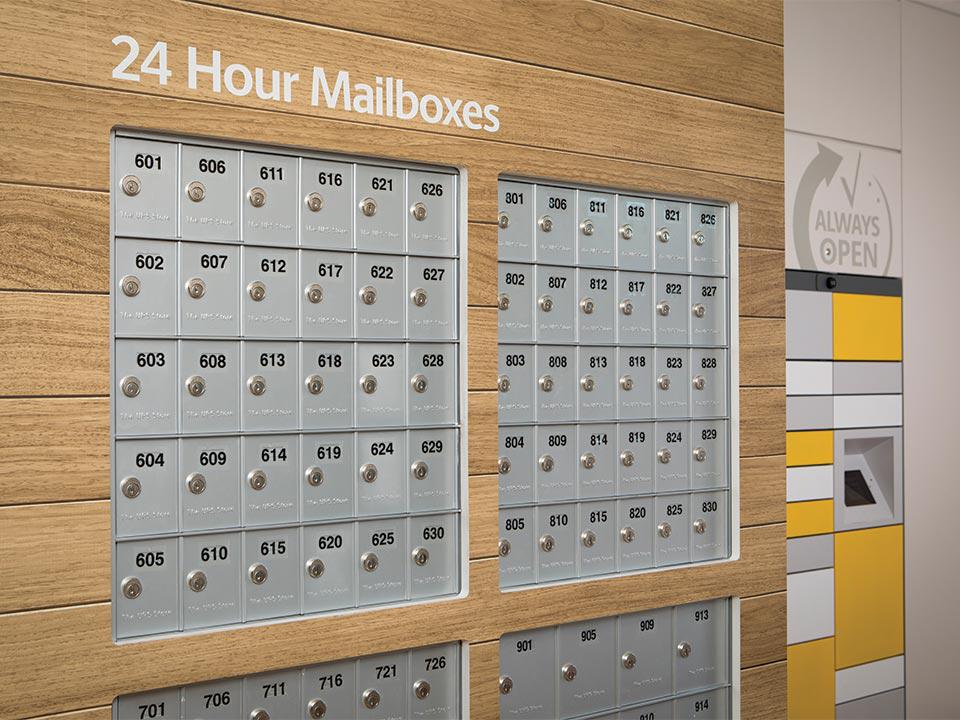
<point>60,381</point>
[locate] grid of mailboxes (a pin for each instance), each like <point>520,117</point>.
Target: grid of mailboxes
<point>287,405</point>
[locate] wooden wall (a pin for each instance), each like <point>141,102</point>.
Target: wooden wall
<point>674,96</point>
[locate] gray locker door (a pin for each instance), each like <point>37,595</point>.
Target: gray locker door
<point>147,583</point>
<point>382,686</point>
<point>209,483</point>
<point>326,207</point>
<point>672,236</point>
<point>210,579</point>
<point>381,230</point>
<point>635,233</point>
<point>515,302</point>
<point>328,476</point>
<point>270,479</point>
<point>145,299</point>
<point>528,674</point>
<point>270,292</point>
<point>434,555</point>
<point>516,383</point>
<point>433,457</point>
<point>556,462</point>
<point>381,474</point>
<point>327,385</point>
<point>596,306</point>
<point>217,700</point>
<point>635,534</point>
<point>145,493</point>
<point>382,562</point>
<point>597,461</point>
<point>700,644</point>
<point>597,384</point>
<point>556,542</point>
<point>586,666</point>
<point>435,682</point>
<point>515,231</point>
<point>596,224</point>
<point>276,692</point>
<point>145,201</point>
<point>635,458</point>
<point>516,465</point>
<point>517,546</point>
<point>157,705</point>
<point>209,378</point>
<point>270,206</point>
<point>276,592</point>
<point>271,392</point>
<point>556,212</point>
<point>598,538</point>
<point>432,216</point>
<point>710,705</point>
<point>708,251</point>
<point>672,531</point>
<point>646,656</point>
<point>328,559</point>
<point>556,304</point>
<point>209,290</point>
<point>327,298</point>
<point>557,384</point>
<point>210,203</point>
<point>334,685</point>
<point>145,395</point>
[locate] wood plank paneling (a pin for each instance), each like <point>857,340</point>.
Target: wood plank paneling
<point>763,629</point>
<point>638,48</point>
<point>482,264</point>
<point>763,692</point>
<point>481,348</point>
<point>763,490</point>
<point>484,675</point>
<point>104,712</point>
<point>763,421</point>
<point>763,344</point>
<point>762,291</point>
<point>760,19</point>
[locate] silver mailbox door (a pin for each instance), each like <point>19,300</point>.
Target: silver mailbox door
<point>672,531</point>
<point>516,464</point>
<point>275,404</point>
<point>556,229</point>
<point>636,528</point>
<point>708,251</point>
<point>145,396</point>
<point>216,700</point>
<point>516,302</point>
<point>326,385</point>
<point>596,306</point>
<point>276,692</point>
<point>328,476</point>
<point>210,199</point>
<point>439,666</point>
<point>333,684</point>
<point>151,564</point>
<point>383,229</point>
<point>271,479</point>
<point>517,546</point>
<point>436,571</point>
<point>439,451</point>
<point>387,675</point>
<point>384,580</point>
<point>145,200</point>
<point>432,301</point>
<point>556,304</point>
<point>381,473</point>
<point>596,462</point>
<point>381,385</point>
<point>270,202</point>
<point>432,213</point>
<point>327,298</point>
<point>209,378</point>
<point>635,293</point>
<point>209,290</point>
<point>209,483</point>
<point>635,387</point>
<point>145,298</point>
<point>529,660</point>
<point>704,627</point>
<point>635,233</point>
<point>596,226</point>
<point>380,296</point>
<point>210,579</point>
<point>145,494</point>
<point>270,281</point>
<point>516,383</point>
<point>329,561</point>
<point>556,542</point>
<point>597,383</point>
<point>646,651</point>
<point>556,463</point>
<point>516,221</point>
<point>598,538</point>
<point>586,665</point>
<point>672,236</point>
<point>326,204</point>
<point>635,457</point>
<point>278,594</point>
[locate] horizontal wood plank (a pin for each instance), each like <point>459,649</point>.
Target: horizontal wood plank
<point>104,712</point>
<point>763,343</point>
<point>763,490</point>
<point>762,291</point>
<point>763,629</point>
<point>484,677</point>
<point>763,692</point>
<point>763,421</point>
<point>760,19</point>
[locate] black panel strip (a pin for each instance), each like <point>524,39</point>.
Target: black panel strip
<point>829,282</point>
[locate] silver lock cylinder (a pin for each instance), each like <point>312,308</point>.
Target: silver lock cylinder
<point>317,709</point>
<point>626,307</point>
<point>418,297</point>
<point>664,529</point>
<point>663,382</point>
<point>626,232</point>
<point>503,301</point>
<point>588,460</point>
<point>130,487</point>
<point>503,547</point>
<point>699,382</point>
<point>418,211</point>
<point>699,310</point>
<point>257,197</point>
<point>419,383</point>
<point>505,684</point>
<point>420,556</point>
<point>664,456</point>
<point>546,383</point>
<point>699,454</point>
<point>628,534</point>
<point>315,568</point>
<point>421,689</point>
<point>503,383</point>
<point>545,302</point>
<point>257,291</point>
<point>314,384</point>
<point>546,223</point>
<point>368,295</point>
<point>130,184</point>
<point>259,714</point>
<point>587,305</point>
<point>547,543</point>
<point>368,206</point>
<point>368,383</point>
<point>196,483</point>
<point>663,308</point>
<point>314,476</point>
<point>314,202</point>
<point>569,672</point>
<point>196,385</point>
<point>369,561</point>
<point>588,538</point>
<point>369,473</point>
<point>663,235</point>
<point>130,386</point>
<point>588,383</point>
<point>197,581</point>
<point>700,526</point>
<point>684,649</point>
<point>131,588</point>
<point>503,221</point>
<point>314,293</point>
<point>257,479</point>
<point>626,383</point>
<point>196,288</point>
<point>627,458</point>
<point>130,285</point>
<point>699,238</point>
<point>257,385</point>
<point>587,227</point>
<point>503,466</point>
<point>628,660</point>
<point>196,191</point>
<point>546,463</point>
<point>258,573</point>
<point>419,470</point>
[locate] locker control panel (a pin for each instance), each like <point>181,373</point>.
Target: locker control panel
<point>656,665</point>
<point>618,410</point>
<point>420,683</point>
<point>287,383</point>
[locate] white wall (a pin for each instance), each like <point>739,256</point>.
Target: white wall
<point>931,250</point>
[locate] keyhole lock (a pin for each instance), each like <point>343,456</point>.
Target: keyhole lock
<point>314,476</point>
<point>196,385</point>
<point>663,308</point>
<point>196,288</point>
<point>420,556</point>
<point>588,460</point>
<point>503,384</point>
<point>419,470</point>
<point>588,538</point>
<point>503,466</point>
<point>421,689</point>
<point>626,307</point>
<point>131,588</point>
<point>545,223</point>
<point>569,672</point>
<point>503,547</point>
<point>418,211</point>
<point>626,232</point>
<point>314,384</point>
<point>314,202</point>
<point>664,529</point>
<point>368,206</point>
<point>664,456</point>
<point>628,660</point>
<point>699,382</point>
<point>419,383</point>
<point>257,385</point>
<point>369,561</point>
<point>257,291</point>
<point>317,709</point>
<point>627,458</point>
<point>130,487</point>
<point>547,543</point>
<point>699,310</point>
<point>663,235</point>
<point>700,526</point>
<point>699,454</point>
<point>588,306</point>
<point>313,293</point>
<point>546,383</point>
<point>368,383</point>
<point>368,295</point>
<point>130,184</point>
<point>684,649</point>
<point>419,297</point>
<point>369,473</point>
<point>130,386</point>
<point>503,301</point>
<point>258,573</point>
<point>587,227</point>
<point>628,534</point>
<point>259,714</point>
<point>257,479</point>
<point>371,699</point>
<point>626,383</point>
<point>197,581</point>
<point>315,568</point>
<point>257,197</point>
<point>588,383</point>
<point>196,191</point>
<point>503,221</point>
<point>130,285</point>
<point>546,303</point>
<point>546,463</point>
<point>196,483</point>
<point>663,382</point>
<point>506,684</point>
<point>699,238</point>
